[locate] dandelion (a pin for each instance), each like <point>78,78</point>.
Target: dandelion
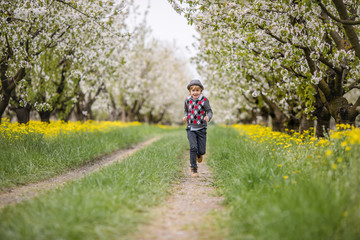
<point>285,177</point>
<point>328,152</point>
<point>334,166</point>
<point>54,128</point>
<point>322,142</point>
<point>340,159</point>
<point>279,165</point>
<point>354,136</point>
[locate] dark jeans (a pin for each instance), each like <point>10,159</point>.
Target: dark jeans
<point>197,140</point>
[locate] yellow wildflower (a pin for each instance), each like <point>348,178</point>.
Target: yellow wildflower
<point>328,152</point>
<point>334,166</point>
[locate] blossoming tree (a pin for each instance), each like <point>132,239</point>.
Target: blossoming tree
<point>151,82</point>
<point>41,40</point>
<point>298,58</point>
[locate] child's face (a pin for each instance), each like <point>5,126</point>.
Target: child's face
<point>195,92</point>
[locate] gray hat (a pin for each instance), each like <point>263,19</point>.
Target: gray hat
<point>195,82</point>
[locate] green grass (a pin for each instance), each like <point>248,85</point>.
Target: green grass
<point>35,158</point>
<point>313,202</point>
<point>109,204</point>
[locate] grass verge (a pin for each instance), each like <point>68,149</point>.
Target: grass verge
<point>276,194</point>
<point>33,157</point>
<point>108,204</point>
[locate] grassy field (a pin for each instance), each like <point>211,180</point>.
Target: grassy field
<point>38,151</point>
<point>275,185</point>
<point>109,204</point>
<point>280,186</point>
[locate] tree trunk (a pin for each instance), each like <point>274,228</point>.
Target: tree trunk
<point>91,100</point>
<point>8,85</point>
<point>278,122</point>
<point>114,114</point>
<point>124,113</point>
<point>253,116</point>
<point>68,115</point>
<point>78,113</point>
<point>277,116</point>
<point>349,29</point>
<point>354,112</point>
<point>4,102</point>
<point>293,123</point>
<point>323,122</point>
<point>45,116</point>
<point>264,116</point>
<point>150,118</point>
<point>124,117</point>
<point>161,117</point>
<point>322,126</point>
<point>305,123</point>
<point>132,112</point>
<point>90,115</point>
<point>322,115</point>
<point>23,114</point>
<point>339,110</point>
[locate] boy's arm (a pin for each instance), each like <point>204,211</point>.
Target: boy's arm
<point>208,110</point>
<point>185,109</point>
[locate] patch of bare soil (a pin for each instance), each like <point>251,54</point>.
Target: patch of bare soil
<point>18,194</point>
<point>186,209</point>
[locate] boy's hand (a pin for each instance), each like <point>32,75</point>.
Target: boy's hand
<point>184,119</point>
<point>206,118</point>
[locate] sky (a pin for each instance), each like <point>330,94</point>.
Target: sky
<point>169,26</point>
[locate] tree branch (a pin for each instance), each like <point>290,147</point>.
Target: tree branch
<point>290,69</point>
<point>20,74</point>
<point>330,65</point>
<point>77,10</point>
<point>275,108</point>
<point>86,15</point>
<point>355,84</point>
<point>349,30</point>
<point>321,59</point>
<point>342,21</point>
<point>246,97</point>
<point>356,106</point>
<point>268,32</point>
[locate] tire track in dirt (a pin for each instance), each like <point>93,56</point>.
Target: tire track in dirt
<point>180,217</point>
<point>18,194</point>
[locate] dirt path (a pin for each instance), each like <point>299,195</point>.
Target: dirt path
<point>28,191</point>
<point>181,216</point>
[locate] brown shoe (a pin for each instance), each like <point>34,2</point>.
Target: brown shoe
<point>199,158</point>
<point>194,172</point>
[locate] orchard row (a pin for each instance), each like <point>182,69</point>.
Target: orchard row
<point>291,61</point>
<point>85,60</point>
